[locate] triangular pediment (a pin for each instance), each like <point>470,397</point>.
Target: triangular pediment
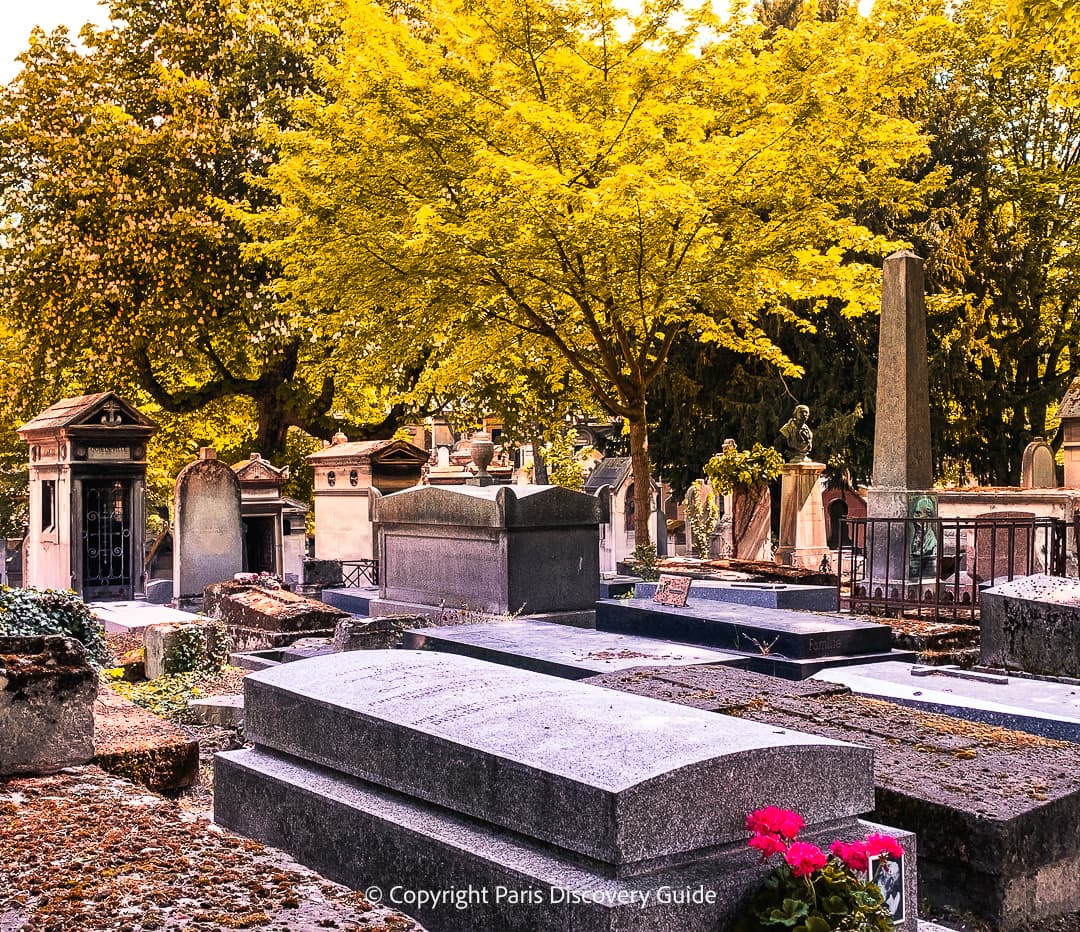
<point>257,469</point>
<point>400,453</point>
<point>103,410</point>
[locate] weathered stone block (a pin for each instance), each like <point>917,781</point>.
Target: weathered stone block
<point>133,743</point>
<point>47,690</point>
<point>260,619</point>
<point>322,573</point>
<point>1032,624</point>
<point>178,648</point>
<point>226,711</point>
<point>374,633</point>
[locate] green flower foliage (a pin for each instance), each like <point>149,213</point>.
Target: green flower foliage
<point>52,611</point>
<point>747,468</point>
<point>199,649</point>
<point>832,899</point>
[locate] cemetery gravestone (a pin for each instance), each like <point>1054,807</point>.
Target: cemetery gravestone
<point>902,473</point>
<point>1003,548</point>
<point>494,549</point>
<point>672,590</point>
<point>208,537</point>
<point>413,770</point>
<point>1038,469</point>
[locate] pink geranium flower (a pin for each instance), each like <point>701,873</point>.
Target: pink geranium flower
<point>775,821</point>
<point>854,855</point>
<point>804,858</point>
<point>768,845</point>
<point>883,844</point>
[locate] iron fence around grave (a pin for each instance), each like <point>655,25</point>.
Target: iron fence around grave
<point>358,574</point>
<point>935,567</point>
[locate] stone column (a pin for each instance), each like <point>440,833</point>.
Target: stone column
<point>802,516</point>
<point>903,473</point>
<point>902,425</point>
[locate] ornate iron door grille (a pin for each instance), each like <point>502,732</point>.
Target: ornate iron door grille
<point>106,538</point>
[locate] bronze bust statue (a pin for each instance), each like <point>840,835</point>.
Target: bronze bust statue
<point>797,436</point>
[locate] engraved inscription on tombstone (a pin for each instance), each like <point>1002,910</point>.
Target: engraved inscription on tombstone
<point>672,590</point>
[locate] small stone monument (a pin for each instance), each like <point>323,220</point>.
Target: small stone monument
<point>802,514</point>
<point>483,451</point>
<point>208,535</point>
<point>1069,412</point>
<point>1038,470</point>
<point>348,477</point>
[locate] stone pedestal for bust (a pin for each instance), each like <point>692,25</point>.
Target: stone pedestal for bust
<point>802,516</point>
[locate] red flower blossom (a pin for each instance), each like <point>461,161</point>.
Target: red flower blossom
<point>883,844</point>
<point>854,855</point>
<point>774,821</point>
<point>768,845</point>
<point>804,858</point>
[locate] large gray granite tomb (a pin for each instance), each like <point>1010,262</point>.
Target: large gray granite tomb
<point>530,550</point>
<point>415,770</point>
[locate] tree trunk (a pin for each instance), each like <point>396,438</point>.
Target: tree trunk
<point>540,470</point>
<point>642,470</point>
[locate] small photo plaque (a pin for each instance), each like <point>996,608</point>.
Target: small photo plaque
<point>888,874</point>
<point>672,590</point>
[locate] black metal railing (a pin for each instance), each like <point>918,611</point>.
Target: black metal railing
<point>935,567</point>
<point>358,574</point>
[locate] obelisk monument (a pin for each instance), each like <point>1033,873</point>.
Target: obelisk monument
<point>903,473</point>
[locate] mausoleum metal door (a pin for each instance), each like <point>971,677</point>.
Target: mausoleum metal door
<point>106,539</point>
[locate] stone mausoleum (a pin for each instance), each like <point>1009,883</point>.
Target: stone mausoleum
<point>347,475</point>
<point>275,526</point>
<point>87,496</point>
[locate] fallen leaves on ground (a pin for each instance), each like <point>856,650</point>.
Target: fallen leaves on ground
<point>82,850</point>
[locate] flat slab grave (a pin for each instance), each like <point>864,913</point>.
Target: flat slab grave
<point>762,594</point>
<point>1039,707</point>
<point>778,642</point>
<point>996,811</point>
<point>560,650</point>
<point>262,619</point>
<point>121,617</point>
<point>430,770</point>
<point>1032,624</point>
